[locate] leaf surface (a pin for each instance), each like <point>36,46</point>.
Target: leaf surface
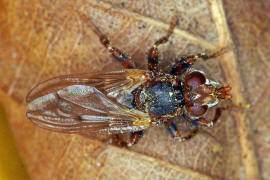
<point>43,39</point>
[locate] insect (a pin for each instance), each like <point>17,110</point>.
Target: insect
<point>130,100</point>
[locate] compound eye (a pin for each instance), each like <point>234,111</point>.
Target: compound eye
<point>197,110</point>
<point>194,79</point>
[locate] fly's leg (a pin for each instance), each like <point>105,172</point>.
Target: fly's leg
<point>99,154</point>
<point>196,124</point>
<point>175,134</point>
<point>205,123</point>
<point>133,139</point>
<point>183,63</point>
<point>118,141</point>
<point>172,129</point>
<point>119,55</point>
<point>153,54</point>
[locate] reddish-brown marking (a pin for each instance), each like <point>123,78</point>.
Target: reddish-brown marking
<point>178,67</point>
<point>192,134</point>
<point>195,79</point>
<point>134,138</point>
<point>224,92</point>
<point>128,64</point>
<point>197,110</point>
<point>115,52</point>
<point>153,66</point>
<point>153,56</point>
<point>190,60</point>
<point>153,52</point>
<point>174,132</point>
<point>116,140</point>
<point>203,122</point>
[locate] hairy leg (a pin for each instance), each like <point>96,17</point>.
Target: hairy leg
<point>202,122</point>
<point>183,63</point>
<point>197,123</point>
<point>133,139</point>
<point>153,54</point>
<point>175,134</point>
<point>119,55</point>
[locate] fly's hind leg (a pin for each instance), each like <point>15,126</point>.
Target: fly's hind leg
<point>135,137</point>
<point>132,139</point>
<point>99,154</point>
<point>153,54</point>
<point>119,55</point>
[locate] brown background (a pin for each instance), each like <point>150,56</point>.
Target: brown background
<point>43,39</point>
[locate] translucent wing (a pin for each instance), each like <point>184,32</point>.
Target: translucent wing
<point>88,103</point>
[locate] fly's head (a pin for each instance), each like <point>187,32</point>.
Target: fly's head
<point>202,93</point>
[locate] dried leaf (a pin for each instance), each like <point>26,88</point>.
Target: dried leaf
<point>43,39</point>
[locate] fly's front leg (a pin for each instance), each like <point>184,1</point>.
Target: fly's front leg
<point>153,54</point>
<point>119,55</point>
<point>205,123</point>
<point>183,63</point>
<point>196,124</point>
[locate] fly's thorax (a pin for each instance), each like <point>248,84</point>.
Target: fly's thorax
<point>162,98</point>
